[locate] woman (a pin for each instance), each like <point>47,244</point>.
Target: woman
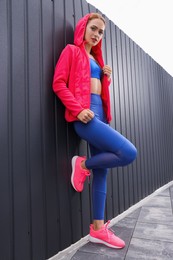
<point>81,81</point>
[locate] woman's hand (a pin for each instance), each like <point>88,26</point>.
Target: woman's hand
<point>107,71</point>
<point>85,115</point>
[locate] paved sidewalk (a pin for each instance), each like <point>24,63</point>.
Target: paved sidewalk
<point>147,231</point>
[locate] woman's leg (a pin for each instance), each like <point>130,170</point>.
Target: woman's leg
<point>99,190</point>
<point>108,149</point>
<point>115,149</point>
<point>99,233</point>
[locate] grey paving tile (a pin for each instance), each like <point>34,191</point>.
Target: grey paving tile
<point>171,192</point>
<point>92,250</point>
<point>153,231</point>
<point>134,214</point>
<point>125,223</point>
<point>165,193</point>
<point>156,215</point>
<point>159,201</point>
<point>94,256</point>
<point>149,250</point>
<point>171,187</point>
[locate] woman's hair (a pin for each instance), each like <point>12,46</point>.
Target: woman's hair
<point>96,16</point>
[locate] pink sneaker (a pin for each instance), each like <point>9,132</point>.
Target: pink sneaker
<point>106,237</point>
<point>79,174</point>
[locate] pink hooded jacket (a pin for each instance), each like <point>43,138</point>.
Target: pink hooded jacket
<point>71,81</point>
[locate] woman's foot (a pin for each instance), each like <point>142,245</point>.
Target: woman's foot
<point>105,236</point>
<point>79,174</point>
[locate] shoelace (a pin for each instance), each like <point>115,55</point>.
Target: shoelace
<point>85,174</point>
<point>109,231</point>
<point>107,223</point>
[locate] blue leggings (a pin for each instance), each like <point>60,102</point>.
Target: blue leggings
<point>108,149</point>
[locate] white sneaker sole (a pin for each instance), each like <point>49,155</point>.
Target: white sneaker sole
<point>73,162</point>
<point>99,241</point>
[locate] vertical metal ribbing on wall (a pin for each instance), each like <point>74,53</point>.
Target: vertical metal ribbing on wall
<point>148,122</point>
<point>125,121</point>
<point>115,113</point>
<point>140,119</point>
<point>167,123</point>
<point>27,127</point>
<point>158,134</point>
<point>136,164</point>
<point>55,132</point>
<point>142,124</point>
<point>160,123</point>
<point>114,97</point>
<point>132,109</point>
<point>139,122</point>
<point>169,127</point>
<point>41,80</point>
<point>152,104</point>
<point>169,116</point>
<point>164,109</point>
<point>68,16</point>
<point>144,131</point>
<point>131,117</point>
<point>10,126</point>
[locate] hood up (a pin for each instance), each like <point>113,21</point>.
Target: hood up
<point>80,42</point>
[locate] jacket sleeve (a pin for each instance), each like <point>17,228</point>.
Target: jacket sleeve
<point>60,82</point>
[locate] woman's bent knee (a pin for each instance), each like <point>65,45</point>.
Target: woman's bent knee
<point>128,153</point>
<point>133,154</point>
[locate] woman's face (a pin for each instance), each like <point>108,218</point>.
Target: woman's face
<point>94,31</point>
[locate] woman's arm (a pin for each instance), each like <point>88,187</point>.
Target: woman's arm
<point>60,81</point>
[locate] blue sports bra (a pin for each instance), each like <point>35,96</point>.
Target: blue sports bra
<point>95,69</point>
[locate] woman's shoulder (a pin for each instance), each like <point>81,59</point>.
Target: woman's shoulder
<point>71,50</point>
<point>71,47</point>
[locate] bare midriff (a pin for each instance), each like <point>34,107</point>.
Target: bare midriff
<point>96,87</point>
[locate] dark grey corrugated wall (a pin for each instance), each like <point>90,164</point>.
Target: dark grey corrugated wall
<point>40,212</point>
